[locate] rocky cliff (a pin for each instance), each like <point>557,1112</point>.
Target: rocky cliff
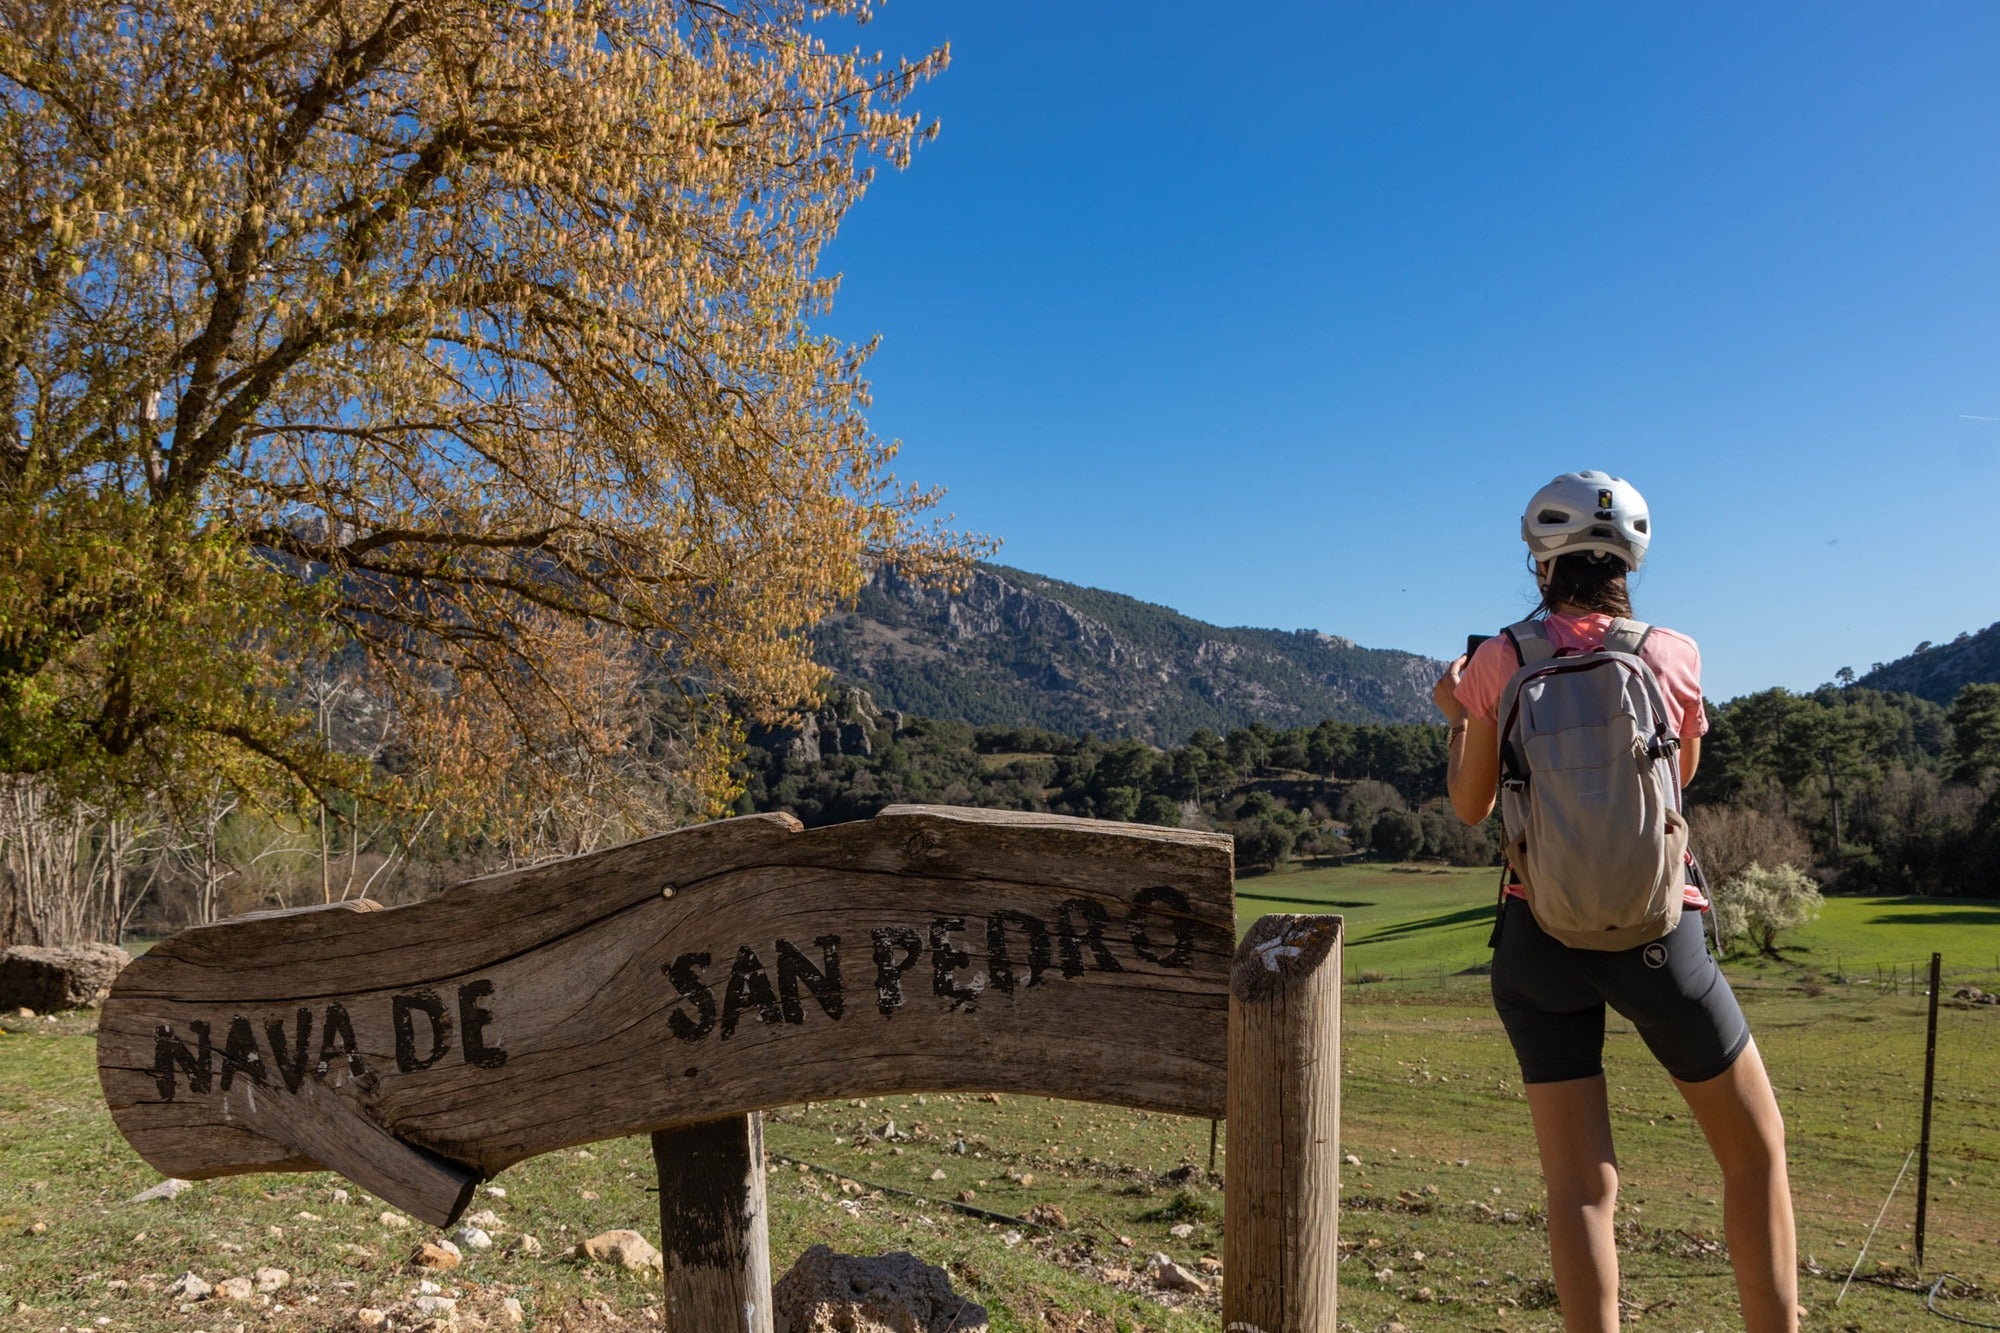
<point>1014,648</point>
<point>1938,671</point>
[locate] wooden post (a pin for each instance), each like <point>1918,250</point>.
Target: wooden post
<point>714,1228</point>
<point>1930,1083</point>
<point>1282,1202</point>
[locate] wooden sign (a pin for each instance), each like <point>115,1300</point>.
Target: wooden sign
<point>703,973</point>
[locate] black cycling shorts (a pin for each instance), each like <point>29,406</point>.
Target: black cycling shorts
<point>1551,1000</point>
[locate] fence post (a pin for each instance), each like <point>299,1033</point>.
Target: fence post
<point>1930,1083</point>
<point>715,1232</point>
<point>1281,1203</point>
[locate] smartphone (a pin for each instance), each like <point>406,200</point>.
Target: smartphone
<point>1472,642</point>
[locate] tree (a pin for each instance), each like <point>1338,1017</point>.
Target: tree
<point>1975,732</point>
<point>466,342</point>
<point>1397,835</point>
<point>1759,903</point>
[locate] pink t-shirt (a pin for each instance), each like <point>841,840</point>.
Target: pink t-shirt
<point>1673,657</point>
<point>1675,660</point>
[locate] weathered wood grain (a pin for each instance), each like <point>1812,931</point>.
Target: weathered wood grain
<point>1281,1210</point>
<point>715,1227</point>
<point>703,973</point>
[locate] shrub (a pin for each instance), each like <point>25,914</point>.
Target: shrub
<point>1759,903</point>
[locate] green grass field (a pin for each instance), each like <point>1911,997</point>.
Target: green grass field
<point>1440,1220</point>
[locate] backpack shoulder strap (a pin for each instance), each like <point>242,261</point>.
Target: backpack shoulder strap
<point>1627,636</point>
<point>1530,640</point>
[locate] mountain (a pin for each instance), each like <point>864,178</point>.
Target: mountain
<point>1016,649</point>
<point>1938,671</point>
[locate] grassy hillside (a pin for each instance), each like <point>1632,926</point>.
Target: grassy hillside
<point>1440,1224</point>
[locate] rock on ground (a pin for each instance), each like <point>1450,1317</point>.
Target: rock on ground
<point>435,1256</point>
<point>627,1249</point>
<point>166,1189</point>
<point>827,1292</point>
<point>188,1287</point>
<point>46,980</point>
<point>1170,1276</point>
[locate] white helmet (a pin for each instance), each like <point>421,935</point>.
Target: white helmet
<point>1588,511</point>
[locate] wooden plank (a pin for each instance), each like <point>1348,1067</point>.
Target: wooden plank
<point>1281,1209</point>
<point>715,1226</point>
<point>704,973</point>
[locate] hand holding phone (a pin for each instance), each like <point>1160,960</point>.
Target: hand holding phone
<point>1472,642</point>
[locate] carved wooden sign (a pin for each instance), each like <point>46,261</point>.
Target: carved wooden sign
<point>711,971</point>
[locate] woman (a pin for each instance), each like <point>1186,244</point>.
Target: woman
<point>1585,531</point>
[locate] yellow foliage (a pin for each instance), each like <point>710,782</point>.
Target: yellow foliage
<point>462,344</point>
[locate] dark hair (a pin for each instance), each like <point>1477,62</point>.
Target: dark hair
<point>1587,581</point>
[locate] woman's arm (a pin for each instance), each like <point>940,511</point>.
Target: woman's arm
<point>1472,771</point>
<point>1690,758</point>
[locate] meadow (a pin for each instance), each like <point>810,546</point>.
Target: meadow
<point>1440,1226</point>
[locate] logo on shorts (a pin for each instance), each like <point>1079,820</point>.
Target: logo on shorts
<point>1655,954</point>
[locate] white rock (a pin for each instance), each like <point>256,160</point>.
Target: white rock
<point>235,1289</point>
<point>269,1280</point>
<point>1167,1275</point>
<point>188,1287</point>
<point>393,1220</point>
<point>370,1320</point>
<point>340,1196</point>
<point>428,1288</point>
<point>451,1247</point>
<point>435,1305</point>
<point>627,1249</point>
<point>525,1246</point>
<point>472,1238</point>
<point>305,1217</point>
<point>497,1191</point>
<point>511,1309</point>
<point>485,1217</point>
<point>1181,1230</point>
<point>166,1189</point>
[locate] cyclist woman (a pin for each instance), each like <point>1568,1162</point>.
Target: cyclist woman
<point>1585,531</point>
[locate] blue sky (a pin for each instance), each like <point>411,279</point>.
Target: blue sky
<point>1277,314</point>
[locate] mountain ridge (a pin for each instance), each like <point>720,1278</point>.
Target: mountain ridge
<point>1010,647</point>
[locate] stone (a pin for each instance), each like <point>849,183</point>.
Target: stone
<point>269,1280</point>
<point>394,1221</point>
<point>188,1287</point>
<point>1167,1275</point>
<point>627,1249</point>
<point>235,1289</point>
<point>1181,1230</point>
<point>525,1246</point>
<point>511,1311</point>
<point>433,1307</point>
<point>1208,1263</point>
<point>1048,1215</point>
<point>485,1217</point>
<point>340,1196</point>
<point>938,1174</point>
<point>46,980</point>
<point>472,1238</point>
<point>827,1292</point>
<point>434,1256</point>
<point>371,1320</point>
<point>166,1189</point>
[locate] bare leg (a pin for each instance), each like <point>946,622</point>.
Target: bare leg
<point>1573,1132</point>
<point>1738,1113</point>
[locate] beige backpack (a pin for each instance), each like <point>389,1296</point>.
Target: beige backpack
<point>1590,790</point>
